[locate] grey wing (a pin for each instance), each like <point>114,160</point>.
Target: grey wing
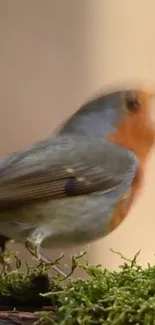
<point>64,166</point>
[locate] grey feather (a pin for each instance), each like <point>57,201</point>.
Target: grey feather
<point>75,212</point>
<point>97,117</point>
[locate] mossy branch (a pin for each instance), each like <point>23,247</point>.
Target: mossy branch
<point>109,298</point>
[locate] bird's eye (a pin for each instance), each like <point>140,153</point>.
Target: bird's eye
<point>132,104</point>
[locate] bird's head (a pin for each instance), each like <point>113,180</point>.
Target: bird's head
<point>123,116</point>
<point>135,129</point>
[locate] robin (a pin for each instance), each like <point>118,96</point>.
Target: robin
<point>78,186</point>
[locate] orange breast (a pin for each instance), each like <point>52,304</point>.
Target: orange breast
<point>127,134</point>
<point>135,132</point>
<point>123,206</point>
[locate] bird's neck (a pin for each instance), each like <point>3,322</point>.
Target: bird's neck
<point>137,134</point>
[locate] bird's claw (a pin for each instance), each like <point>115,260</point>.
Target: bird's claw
<point>35,252</point>
<point>32,248</point>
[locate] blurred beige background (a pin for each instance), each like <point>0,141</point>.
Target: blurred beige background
<point>54,54</point>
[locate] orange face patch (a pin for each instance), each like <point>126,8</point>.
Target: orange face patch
<point>136,133</point>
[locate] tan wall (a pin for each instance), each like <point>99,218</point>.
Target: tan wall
<point>53,55</point>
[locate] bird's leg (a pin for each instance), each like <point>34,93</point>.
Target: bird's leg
<point>5,265</point>
<point>33,243</point>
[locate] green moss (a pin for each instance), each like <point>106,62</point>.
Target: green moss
<point>109,298</point>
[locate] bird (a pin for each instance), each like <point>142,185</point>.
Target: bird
<point>78,185</point>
